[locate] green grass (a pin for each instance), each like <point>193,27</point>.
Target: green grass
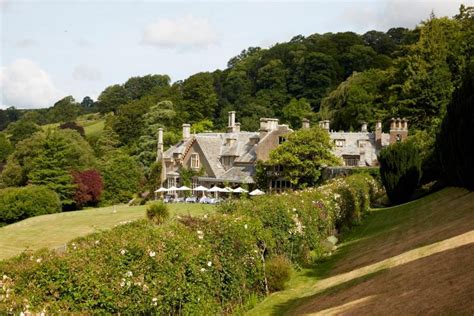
<point>385,235</point>
<point>93,128</point>
<point>54,230</point>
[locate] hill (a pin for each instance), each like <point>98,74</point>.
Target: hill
<point>412,258</point>
<point>54,230</point>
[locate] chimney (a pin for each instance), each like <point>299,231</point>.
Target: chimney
<point>186,131</point>
<point>364,127</point>
<point>398,130</point>
<point>159,152</point>
<point>231,125</point>
<point>325,124</point>
<point>237,128</point>
<point>263,127</point>
<point>305,123</point>
<point>378,134</point>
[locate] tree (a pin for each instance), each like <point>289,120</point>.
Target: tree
<point>400,170</point>
<point>6,148</point>
<point>111,98</point>
<point>65,110</point>
<point>122,178</point>
<point>87,102</point>
<point>138,87</point>
<point>199,97</point>
<point>89,187</point>
<point>295,111</point>
<point>73,126</point>
<point>21,130</point>
<point>455,143</point>
<point>302,157</point>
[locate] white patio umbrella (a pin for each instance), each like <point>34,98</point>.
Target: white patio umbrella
<point>256,192</point>
<point>201,189</point>
<point>240,190</point>
<point>227,189</point>
<point>173,189</point>
<point>161,190</point>
<point>215,189</point>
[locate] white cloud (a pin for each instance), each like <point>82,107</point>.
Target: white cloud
<point>82,42</point>
<point>25,85</point>
<point>184,32</point>
<point>86,73</point>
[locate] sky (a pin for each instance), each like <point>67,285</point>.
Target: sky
<point>51,49</point>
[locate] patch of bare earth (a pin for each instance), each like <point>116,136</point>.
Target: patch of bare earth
<point>442,283</point>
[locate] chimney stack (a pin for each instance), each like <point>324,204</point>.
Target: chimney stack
<point>237,127</point>
<point>364,127</point>
<point>159,152</point>
<point>231,125</point>
<point>186,131</point>
<point>398,130</point>
<point>325,124</point>
<point>305,124</point>
<point>378,134</point>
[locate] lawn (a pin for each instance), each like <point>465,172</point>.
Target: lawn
<point>414,258</point>
<point>54,230</point>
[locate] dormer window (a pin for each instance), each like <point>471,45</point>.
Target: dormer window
<point>340,142</point>
<point>227,161</point>
<point>195,161</point>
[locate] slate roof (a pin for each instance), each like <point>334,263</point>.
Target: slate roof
<point>215,145</point>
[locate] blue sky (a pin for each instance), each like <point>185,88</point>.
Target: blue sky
<point>50,49</point>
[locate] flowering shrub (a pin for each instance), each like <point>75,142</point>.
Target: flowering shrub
<point>188,265</point>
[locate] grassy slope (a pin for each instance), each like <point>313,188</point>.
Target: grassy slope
<point>413,258</point>
<point>55,230</point>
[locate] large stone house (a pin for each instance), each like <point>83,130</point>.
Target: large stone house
<point>230,157</point>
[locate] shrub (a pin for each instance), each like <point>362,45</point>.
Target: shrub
<point>17,204</point>
<point>89,186</point>
<point>73,126</point>
<point>400,170</point>
<point>157,213</point>
<point>278,271</point>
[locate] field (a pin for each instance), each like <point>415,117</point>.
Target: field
<point>54,230</point>
<point>411,259</point>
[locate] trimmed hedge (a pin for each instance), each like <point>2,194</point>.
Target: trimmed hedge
<point>201,266</point>
<point>17,204</point>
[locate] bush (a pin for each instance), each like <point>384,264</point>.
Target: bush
<point>89,186</point>
<point>17,204</point>
<point>400,170</point>
<point>278,271</point>
<point>157,213</point>
<point>192,266</point>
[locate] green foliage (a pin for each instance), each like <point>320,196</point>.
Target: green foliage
<point>278,271</point>
<point>199,97</point>
<point>303,156</point>
<point>295,111</point>
<point>122,178</point>
<point>209,265</point>
<point>400,170</point>
<point>21,130</point>
<point>153,176</point>
<point>6,148</point>
<point>17,204</point>
<point>157,213</point>
<point>65,110</point>
<point>111,98</point>
<point>455,142</point>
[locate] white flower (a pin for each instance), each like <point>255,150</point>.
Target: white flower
<point>152,254</point>
<point>205,216</point>
<point>96,242</point>
<point>122,284</point>
<point>38,260</point>
<point>129,274</point>
<point>209,263</point>
<point>200,236</point>
<point>246,226</point>
<point>123,251</point>
<point>4,277</point>
<point>154,299</point>
<point>203,270</point>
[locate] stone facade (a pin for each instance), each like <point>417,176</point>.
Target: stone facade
<point>230,157</point>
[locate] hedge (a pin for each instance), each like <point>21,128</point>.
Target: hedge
<point>201,266</point>
<point>17,204</point>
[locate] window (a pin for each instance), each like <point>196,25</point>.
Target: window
<point>227,161</point>
<point>351,160</point>
<point>362,143</point>
<point>194,161</point>
<point>281,140</point>
<point>340,142</point>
